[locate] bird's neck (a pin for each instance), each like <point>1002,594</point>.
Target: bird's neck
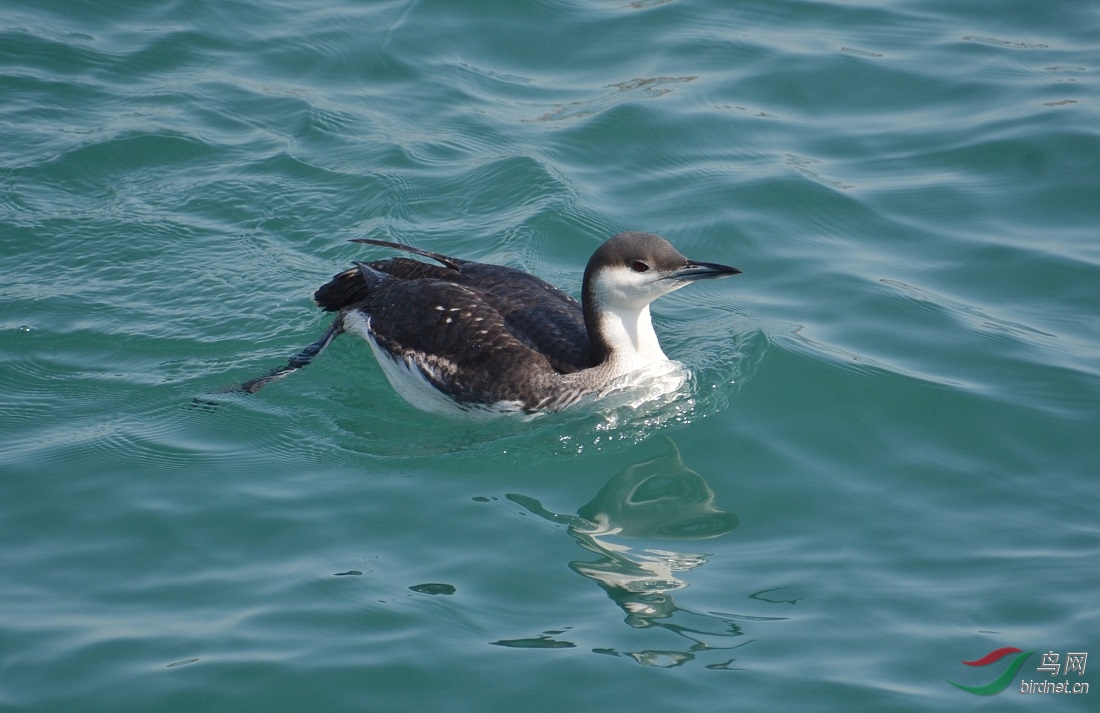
<point>626,339</point>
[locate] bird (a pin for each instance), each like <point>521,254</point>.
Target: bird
<point>459,334</point>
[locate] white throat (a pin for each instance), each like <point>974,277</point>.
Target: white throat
<point>629,335</point>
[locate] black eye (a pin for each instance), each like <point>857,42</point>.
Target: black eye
<point>638,266</point>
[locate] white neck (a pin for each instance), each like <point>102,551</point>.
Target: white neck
<point>630,337</point>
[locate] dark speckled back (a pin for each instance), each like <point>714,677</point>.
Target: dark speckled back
<point>536,314</point>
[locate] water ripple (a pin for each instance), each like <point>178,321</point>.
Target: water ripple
<point>641,88</point>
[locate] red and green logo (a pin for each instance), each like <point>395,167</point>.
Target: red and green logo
<point>1005,679</point>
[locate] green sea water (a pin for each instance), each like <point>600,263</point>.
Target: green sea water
<point>886,466</point>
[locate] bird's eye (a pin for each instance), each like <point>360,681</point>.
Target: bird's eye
<point>638,266</point>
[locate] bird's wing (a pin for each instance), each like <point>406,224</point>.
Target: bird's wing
<point>461,343</point>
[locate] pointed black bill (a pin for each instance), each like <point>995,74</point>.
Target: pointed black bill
<point>703,271</point>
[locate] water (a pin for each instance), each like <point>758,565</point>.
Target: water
<point>886,465</point>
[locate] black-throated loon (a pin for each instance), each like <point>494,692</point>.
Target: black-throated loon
<point>482,336</point>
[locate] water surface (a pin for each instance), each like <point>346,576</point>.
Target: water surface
<point>887,464</point>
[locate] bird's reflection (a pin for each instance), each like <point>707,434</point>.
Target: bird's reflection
<point>658,499</point>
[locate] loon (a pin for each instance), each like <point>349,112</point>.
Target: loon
<point>482,336</point>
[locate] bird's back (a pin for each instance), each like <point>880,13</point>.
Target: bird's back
<point>483,329</point>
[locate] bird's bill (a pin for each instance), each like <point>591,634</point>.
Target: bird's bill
<point>703,271</point>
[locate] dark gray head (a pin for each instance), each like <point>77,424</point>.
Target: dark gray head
<point>631,270</point>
